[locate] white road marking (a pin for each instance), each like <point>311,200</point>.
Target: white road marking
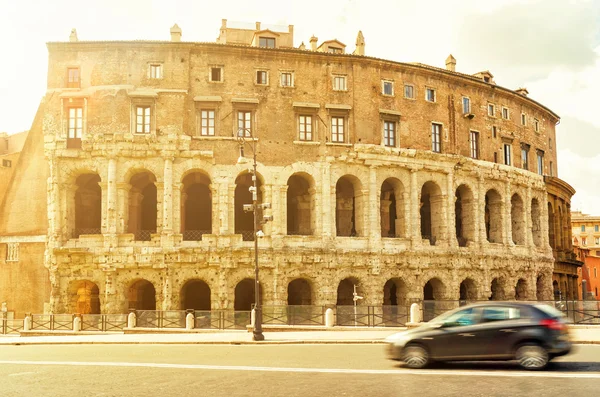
<point>21,373</point>
<point>508,374</point>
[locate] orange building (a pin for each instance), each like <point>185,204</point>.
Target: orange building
<point>586,240</point>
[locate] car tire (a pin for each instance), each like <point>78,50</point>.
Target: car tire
<point>532,356</point>
<point>415,356</point>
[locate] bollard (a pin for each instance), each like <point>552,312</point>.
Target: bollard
<point>131,320</point>
<point>27,324</point>
<point>415,313</point>
<point>189,321</point>
<point>329,318</point>
<point>252,318</point>
<point>77,324</point>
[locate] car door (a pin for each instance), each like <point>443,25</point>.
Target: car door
<point>499,330</point>
<point>455,338</point>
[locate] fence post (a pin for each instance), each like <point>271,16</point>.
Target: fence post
<point>329,318</point>
<point>415,314</point>
<point>131,320</point>
<point>27,323</point>
<point>189,321</point>
<point>252,314</point>
<point>76,323</point>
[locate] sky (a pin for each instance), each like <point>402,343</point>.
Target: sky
<point>551,47</point>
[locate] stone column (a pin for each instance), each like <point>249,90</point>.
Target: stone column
<point>229,209</point>
<point>53,202</point>
<point>480,220</point>
<point>270,194</point>
<point>451,212</point>
<point>214,209</point>
<point>315,220</point>
<point>373,226</point>
<point>507,232</point>
<point>528,220</point>
<point>167,218</point>
<point>111,197</point>
<point>544,227</point>
<point>413,228</point>
<point>326,201</point>
<point>123,205</point>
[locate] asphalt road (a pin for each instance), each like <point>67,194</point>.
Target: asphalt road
<point>274,370</point>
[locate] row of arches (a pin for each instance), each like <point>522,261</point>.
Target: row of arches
<point>351,207</point>
<point>196,294</point>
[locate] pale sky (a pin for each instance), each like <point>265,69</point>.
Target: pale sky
<point>551,47</point>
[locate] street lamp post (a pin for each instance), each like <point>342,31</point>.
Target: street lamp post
<point>257,332</point>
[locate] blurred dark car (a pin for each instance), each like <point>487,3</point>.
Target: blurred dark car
<point>532,334</point>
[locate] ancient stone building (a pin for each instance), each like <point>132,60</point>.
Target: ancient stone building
<point>407,181</point>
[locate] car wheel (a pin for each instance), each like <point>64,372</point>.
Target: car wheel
<point>532,356</point>
<point>415,356</point>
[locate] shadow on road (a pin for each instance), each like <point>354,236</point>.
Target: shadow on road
<point>511,366</point>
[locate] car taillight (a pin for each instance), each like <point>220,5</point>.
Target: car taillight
<point>553,323</point>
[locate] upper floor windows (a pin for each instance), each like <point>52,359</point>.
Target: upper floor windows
<point>262,77</point>
<point>338,129</point>
<point>266,42</point>
<point>339,83</point>
<point>474,141</point>
<point>583,228</point>
<point>436,137</point>
<point>335,50</point>
<point>143,120</point>
<point>75,123</point>
<point>305,127</point>
<point>216,74</point>
<point>244,123</point>
<point>430,95</point>
<point>389,133</point>
<point>73,78</point>
<point>155,71</point>
<point>494,131</point>
<point>507,148</point>
<point>540,162</point>
<point>525,156</point>
<point>286,79</point>
<point>387,87</point>
<point>466,105</point>
<point>409,91</point>
<point>491,110</point>
<point>596,228</point>
<point>536,125</point>
<point>523,119</point>
<point>505,113</point>
<point>207,122</point>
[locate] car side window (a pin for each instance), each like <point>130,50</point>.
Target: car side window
<point>460,318</point>
<point>500,314</point>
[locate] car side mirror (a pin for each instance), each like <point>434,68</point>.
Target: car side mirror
<point>437,325</point>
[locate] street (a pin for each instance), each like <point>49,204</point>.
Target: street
<point>274,370</point>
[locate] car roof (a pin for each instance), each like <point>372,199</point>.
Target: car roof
<point>499,303</point>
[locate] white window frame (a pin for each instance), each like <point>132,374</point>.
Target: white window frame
<point>524,158</point>
<point>536,125</point>
<point>335,128</point>
<point>507,153</point>
<point>340,82</point>
<point>221,73</point>
<point>505,111</point>
<point>291,79</point>
<point>267,40</point>
<point>306,130</point>
<point>412,89</point>
<point>523,119</point>
<point>390,140</point>
<point>466,101</point>
<point>434,93</point>
<point>205,127</point>
<point>491,107</point>
<point>436,132</point>
<point>75,124</point>
<point>155,70</point>
<point>264,73</point>
<point>540,162</point>
<point>385,83</point>
<point>474,144</point>
<point>245,125</point>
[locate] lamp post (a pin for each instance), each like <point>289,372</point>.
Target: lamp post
<point>257,332</point>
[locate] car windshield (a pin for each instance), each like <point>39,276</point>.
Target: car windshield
<point>550,311</point>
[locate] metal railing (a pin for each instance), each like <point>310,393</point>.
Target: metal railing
<point>160,318</point>
<point>247,235</point>
<point>79,232</point>
<point>103,322</point>
<point>52,322</point>
<point>372,316</point>
<point>294,315</point>
<point>10,325</point>
<point>143,235</point>
<point>194,235</point>
<point>221,319</point>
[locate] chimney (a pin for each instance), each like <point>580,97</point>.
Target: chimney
<point>360,44</point>
<point>302,46</point>
<point>313,43</point>
<point>257,26</point>
<point>522,91</point>
<point>73,35</point>
<point>175,33</point>
<point>451,63</point>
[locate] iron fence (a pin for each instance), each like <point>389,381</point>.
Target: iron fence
<point>79,232</point>
<point>143,235</point>
<point>52,322</point>
<point>247,235</point>
<point>11,326</point>
<point>160,318</point>
<point>194,235</point>
<point>221,319</point>
<point>294,315</point>
<point>371,316</point>
<point>103,322</point>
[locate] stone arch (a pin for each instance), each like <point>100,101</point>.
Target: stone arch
<point>551,226</point>
<point>299,292</point>
<point>244,295</point>
<point>493,216</point>
<point>244,221</point>
<point>143,205</point>
<point>536,222</point>
<point>556,290</point>
<point>196,206</point>
<point>540,287</point>
<point>141,295</point>
<point>517,217</point>
<point>433,290</point>
<point>431,212</point>
<point>88,205</point>
<point>301,196</point>
<point>464,212</point>
<point>391,208</point>
<point>345,292</point>
<point>468,290</point>
<point>521,290</point>
<point>349,206</point>
<point>84,297</point>
<point>394,292</point>
<point>195,295</point>
<point>559,231</point>
<point>498,288</point>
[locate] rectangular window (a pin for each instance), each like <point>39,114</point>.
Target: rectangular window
<point>266,42</point>
<point>387,88</point>
<point>409,91</point>
<point>142,119</point>
<point>596,228</point>
<point>73,78</point>
<point>334,50</point>
<point>216,74</point>
<point>156,71</point>
<point>244,123</point>
<point>286,79</point>
<point>525,157</point>
<point>495,157</point>
<point>6,163</point>
<point>466,105</point>
<point>536,125</point>
<point>507,153</point>
<point>549,143</point>
<point>474,144</point>
<point>305,127</point>
<point>550,169</point>
<point>491,110</point>
<point>595,272</point>
<point>75,122</point>
<point>583,228</point>
<point>389,133</point>
<point>597,240</point>
<point>262,77</point>
<point>505,113</point>
<point>430,94</point>
<point>523,119</point>
<point>583,241</point>
<point>436,137</point>
<point>337,129</point>
<point>494,131</point>
<point>339,83</point>
<point>540,163</point>
<point>207,122</point>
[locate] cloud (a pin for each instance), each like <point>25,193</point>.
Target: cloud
<point>581,173</point>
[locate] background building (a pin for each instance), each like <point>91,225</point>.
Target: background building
<point>586,240</point>
<point>407,181</point>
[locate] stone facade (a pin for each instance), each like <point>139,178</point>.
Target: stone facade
<point>408,181</point>
<point>586,240</point>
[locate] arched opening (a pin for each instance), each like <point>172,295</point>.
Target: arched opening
<point>540,287</point>
<point>195,295</point>
<point>300,205</point>
<point>559,231</point>
<point>497,290</point>
<point>536,222</point>
<point>551,226</point>
<point>244,295</point>
<point>521,290</point>
<point>244,221</point>
<point>142,295</point>
<point>433,290</point>
<point>345,292</point>
<point>391,208</point>
<point>493,216</point>
<point>394,293</point>
<point>88,205</point>
<point>196,207</point>
<point>348,207</point>
<point>464,215</point>
<point>143,208</point>
<point>467,291</point>
<point>556,289</point>
<point>299,292</point>
<point>517,216</point>
<point>431,212</point>
<point>84,297</point>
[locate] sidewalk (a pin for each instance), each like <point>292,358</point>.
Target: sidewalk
<point>579,334</point>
